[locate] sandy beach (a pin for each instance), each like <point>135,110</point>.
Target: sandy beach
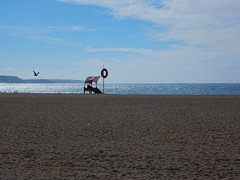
<point>77,136</point>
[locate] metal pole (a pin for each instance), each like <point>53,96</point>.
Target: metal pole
<point>103,85</point>
<point>103,81</point>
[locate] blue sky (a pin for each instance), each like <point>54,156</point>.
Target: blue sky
<point>140,41</point>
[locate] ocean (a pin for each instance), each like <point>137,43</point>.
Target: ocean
<point>160,89</point>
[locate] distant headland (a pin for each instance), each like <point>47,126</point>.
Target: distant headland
<point>15,79</point>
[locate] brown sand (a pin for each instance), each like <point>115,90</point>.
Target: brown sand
<point>119,137</point>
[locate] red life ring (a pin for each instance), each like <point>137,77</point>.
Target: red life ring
<point>104,73</point>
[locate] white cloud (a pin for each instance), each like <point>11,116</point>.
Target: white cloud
<point>212,25</point>
<point>204,38</point>
<point>146,52</point>
<point>39,33</point>
<point>182,54</point>
<point>39,29</point>
<point>64,28</point>
<point>9,69</point>
<point>48,39</point>
<point>170,12</point>
<point>178,64</point>
<point>138,70</point>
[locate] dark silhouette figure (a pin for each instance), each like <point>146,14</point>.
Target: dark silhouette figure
<point>35,74</point>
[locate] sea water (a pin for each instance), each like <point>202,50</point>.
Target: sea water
<point>161,89</point>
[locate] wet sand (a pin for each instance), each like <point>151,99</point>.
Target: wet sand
<point>76,136</point>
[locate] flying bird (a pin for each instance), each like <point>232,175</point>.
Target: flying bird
<point>35,74</point>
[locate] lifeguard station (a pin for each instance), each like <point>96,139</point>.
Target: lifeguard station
<point>91,85</point>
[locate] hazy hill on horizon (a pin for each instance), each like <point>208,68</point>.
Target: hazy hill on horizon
<point>15,79</point>
<point>11,79</point>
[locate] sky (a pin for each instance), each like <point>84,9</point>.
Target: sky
<point>138,41</point>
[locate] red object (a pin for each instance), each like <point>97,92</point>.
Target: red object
<point>88,85</point>
<point>104,73</point>
<point>92,79</point>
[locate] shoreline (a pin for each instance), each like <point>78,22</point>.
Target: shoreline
<point>109,94</point>
<point>82,136</point>
<point>157,89</point>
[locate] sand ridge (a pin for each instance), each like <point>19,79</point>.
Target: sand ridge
<point>76,136</point>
